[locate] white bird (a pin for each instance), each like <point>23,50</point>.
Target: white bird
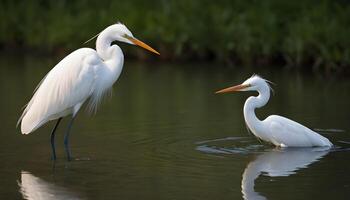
<point>84,74</point>
<point>275,129</point>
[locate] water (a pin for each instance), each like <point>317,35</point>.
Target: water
<point>165,135</point>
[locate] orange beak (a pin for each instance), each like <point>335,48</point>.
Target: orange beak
<point>143,45</point>
<point>236,88</point>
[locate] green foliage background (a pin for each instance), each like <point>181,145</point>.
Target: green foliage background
<point>310,33</point>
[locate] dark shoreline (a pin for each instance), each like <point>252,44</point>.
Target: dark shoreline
<point>140,55</point>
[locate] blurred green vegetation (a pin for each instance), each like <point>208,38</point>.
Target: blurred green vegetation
<point>309,33</point>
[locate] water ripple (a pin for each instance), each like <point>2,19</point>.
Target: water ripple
<point>329,130</point>
<point>248,145</point>
<point>230,145</point>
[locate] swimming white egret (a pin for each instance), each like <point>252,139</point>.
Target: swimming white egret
<point>275,129</point>
<point>83,74</point>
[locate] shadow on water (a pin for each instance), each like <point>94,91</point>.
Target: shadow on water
<point>34,188</point>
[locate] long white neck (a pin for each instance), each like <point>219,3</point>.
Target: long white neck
<point>111,55</point>
<point>104,48</point>
<point>254,124</point>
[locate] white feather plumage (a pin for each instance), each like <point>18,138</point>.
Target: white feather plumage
<point>83,74</point>
<point>275,129</point>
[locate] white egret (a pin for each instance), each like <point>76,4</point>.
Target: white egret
<point>275,129</point>
<point>84,74</point>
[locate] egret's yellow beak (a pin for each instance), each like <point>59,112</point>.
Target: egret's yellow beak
<point>236,88</point>
<point>142,44</point>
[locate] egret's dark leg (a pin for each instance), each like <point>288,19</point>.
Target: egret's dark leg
<point>53,139</point>
<point>66,139</point>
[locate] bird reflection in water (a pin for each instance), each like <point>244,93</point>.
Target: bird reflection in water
<point>279,162</point>
<point>34,188</point>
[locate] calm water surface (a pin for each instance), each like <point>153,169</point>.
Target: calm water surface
<point>165,135</point>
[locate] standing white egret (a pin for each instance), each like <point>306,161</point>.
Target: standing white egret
<point>275,129</point>
<point>83,74</point>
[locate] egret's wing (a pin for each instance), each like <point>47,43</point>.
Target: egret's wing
<point>291,133</point>
<point>69,83</point>
<point>287,132</point>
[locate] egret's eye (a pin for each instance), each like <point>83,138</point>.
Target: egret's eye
<point>248,85</point>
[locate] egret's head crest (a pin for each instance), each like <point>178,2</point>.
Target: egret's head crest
<point>256,80</point>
